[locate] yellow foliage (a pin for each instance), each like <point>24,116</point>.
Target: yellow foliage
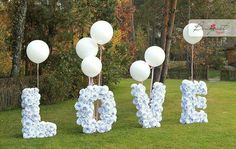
<point>5,58</point>
<point>123,1</point>
<point>5,63</point>
<point>117,38</point>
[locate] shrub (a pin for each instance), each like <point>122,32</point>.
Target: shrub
<point>66,78</point>
<point>228,74</point>
<point>67,73</point>
<point>52,90</point>
<point>116,63</point>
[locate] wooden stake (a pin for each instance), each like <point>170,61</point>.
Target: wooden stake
<point>151,84</point>
<point>90,82</point>
<point>101,48</point>
<point>38,76</point>
<point>192,63</point>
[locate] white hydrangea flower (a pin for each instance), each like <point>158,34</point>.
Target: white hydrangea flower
<point>149,112</point>
<point>33,127</point>
<point>191,100</point>
<point>85,109</point>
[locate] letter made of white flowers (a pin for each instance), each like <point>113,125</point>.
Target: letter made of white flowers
<point>192,92</point>
<point>85,109</point>
<point>33,127</point>
<point>149,111</point>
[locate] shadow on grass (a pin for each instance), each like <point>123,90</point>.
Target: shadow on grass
<point>17,136</point>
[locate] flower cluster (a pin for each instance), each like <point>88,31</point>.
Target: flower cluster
<point>33,127</point>
<point>149,112</point>
<point>191,99</point>
<point>85,109</point>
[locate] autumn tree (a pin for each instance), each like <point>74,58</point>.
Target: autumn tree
<point>154,18</point>
<point>170,27</point>
<point>125,15</point>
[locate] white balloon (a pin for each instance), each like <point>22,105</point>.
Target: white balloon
<point>101,32</point>
<point>37,51</point>
<point>91,66</point>
<point>154,56</point>
<point>139,70</point>
<point>192,33</point>
<point>86,47</point>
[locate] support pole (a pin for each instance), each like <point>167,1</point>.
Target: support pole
<point>38,76</point>
<point>152,76</point>
<point>192,71</point>
<point>101,48</point>
<point>89,81</point>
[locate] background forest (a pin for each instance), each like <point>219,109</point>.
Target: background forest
<point>137,24</point>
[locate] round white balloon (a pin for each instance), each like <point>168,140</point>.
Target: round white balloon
<point>154,56</point>
<point>140,70</point>
<point>91,66</point>
<point>193,33</point>
<point>37,51</point>
<point>101,32</point>
<point>86,47</point>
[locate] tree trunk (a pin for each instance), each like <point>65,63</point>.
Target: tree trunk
<point>132,36</point>
<point>26,67</point>
<point>168,42</point>
<point>18,35</point>
<point>158,70</point>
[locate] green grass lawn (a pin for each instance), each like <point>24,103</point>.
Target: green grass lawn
<point>220,132</point>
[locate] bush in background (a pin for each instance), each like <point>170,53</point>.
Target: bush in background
<point>116,63</point>
<point>66,78</point>
<point>228,73</point>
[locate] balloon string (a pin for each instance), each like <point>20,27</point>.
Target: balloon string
<point>101,48</point>
<point>151,80</point>
<point>100,74</point>
<point>90,81</point>
<point>38,76</point>
<point>192,63</point>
